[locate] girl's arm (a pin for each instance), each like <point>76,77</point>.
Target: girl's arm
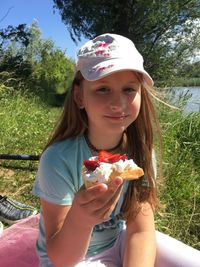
<point>140,246</point>
<point>66,238</point>
<point>68,229</point>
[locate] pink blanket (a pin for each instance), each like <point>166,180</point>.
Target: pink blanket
<point>17,244</point>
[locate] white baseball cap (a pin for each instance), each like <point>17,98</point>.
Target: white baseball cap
<point>109,53</point>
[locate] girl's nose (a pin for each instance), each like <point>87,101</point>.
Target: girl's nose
<point>117,103</point>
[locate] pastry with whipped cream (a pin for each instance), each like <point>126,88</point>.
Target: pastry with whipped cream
<point>106,166</point>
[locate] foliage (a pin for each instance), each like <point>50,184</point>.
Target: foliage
<point>190,69</point>
<point>15,64</point>
<point>14,34</point>
<point>54,71</point>
<point>12,40</point>
<point>186,82</point>
<point>167,33</point>
<point>37,65</point>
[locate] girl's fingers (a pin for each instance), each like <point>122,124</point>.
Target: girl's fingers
<point>116,183</point>
<point>107,198</point>
<point>87,195</point>
<point>95,204</point>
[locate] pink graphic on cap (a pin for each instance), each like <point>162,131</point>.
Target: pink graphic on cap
<point>102,53</point>
<point>102,49</point>
<point>100,69</point>
<point>102,44</point>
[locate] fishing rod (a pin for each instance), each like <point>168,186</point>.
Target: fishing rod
<point>19,157</point>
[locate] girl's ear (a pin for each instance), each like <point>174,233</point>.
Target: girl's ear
<point>78,96</point>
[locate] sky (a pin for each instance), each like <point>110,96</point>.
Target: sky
<point>15,12</point>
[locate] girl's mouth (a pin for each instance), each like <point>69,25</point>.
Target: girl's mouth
<point>117,118</point>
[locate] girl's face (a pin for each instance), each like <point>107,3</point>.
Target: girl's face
<point>111,103</point>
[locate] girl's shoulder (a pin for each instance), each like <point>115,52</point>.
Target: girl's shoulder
<point>63,145</point>
<point>65,149</point>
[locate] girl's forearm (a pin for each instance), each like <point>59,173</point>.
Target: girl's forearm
<point>69,246</point>
<point>140,250</point>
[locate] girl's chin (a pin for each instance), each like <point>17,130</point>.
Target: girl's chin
<point>116,130</point>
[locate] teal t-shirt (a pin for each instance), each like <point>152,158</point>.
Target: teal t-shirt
<point>58,179</point>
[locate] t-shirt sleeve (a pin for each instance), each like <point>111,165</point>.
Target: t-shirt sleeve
<point>54,180</point>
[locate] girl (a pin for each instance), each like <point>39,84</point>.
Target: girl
<point>108,108</point>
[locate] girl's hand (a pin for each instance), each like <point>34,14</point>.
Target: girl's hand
<point>71,226</point>
<point>94,205</point>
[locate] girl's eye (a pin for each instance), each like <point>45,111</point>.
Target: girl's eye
<point>103,90</point>
<point>130,90</point>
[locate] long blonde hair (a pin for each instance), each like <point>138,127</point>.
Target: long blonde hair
<point>139,142</point>
<point>140,147</point>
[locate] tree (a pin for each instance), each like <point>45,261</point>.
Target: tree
<point>53,73</point>
<point>159,29</point>
<point>18,34</point>
<point>12,41</point>
<point>52,70</point>
<point>30,63</point>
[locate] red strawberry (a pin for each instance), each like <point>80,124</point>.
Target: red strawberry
<point>104,156</point>
<point>123,157</point>
<point>114,158</point>
<point>91,165</point>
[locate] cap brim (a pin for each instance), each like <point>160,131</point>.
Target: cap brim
<point>103,69</point>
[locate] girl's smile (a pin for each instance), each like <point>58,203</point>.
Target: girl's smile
<point>116,117</point>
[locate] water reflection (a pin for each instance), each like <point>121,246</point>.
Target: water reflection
<point>187,97</point>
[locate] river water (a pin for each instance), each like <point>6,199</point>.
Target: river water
<point>192,94</point>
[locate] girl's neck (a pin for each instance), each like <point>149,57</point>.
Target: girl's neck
<point>97,143</point>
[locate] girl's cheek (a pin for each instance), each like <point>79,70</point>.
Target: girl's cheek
<point>101,98</point>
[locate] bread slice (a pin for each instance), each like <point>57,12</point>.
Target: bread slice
<point>128,174</point>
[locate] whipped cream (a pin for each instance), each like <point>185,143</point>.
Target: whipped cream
<point>101,174</point>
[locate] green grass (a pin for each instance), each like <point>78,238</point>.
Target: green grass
<point>181,190</point>
<point>26,122</point>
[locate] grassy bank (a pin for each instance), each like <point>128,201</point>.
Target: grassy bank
<point>181,191</point>
<point>26,122</point>
<point>187,82</point>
